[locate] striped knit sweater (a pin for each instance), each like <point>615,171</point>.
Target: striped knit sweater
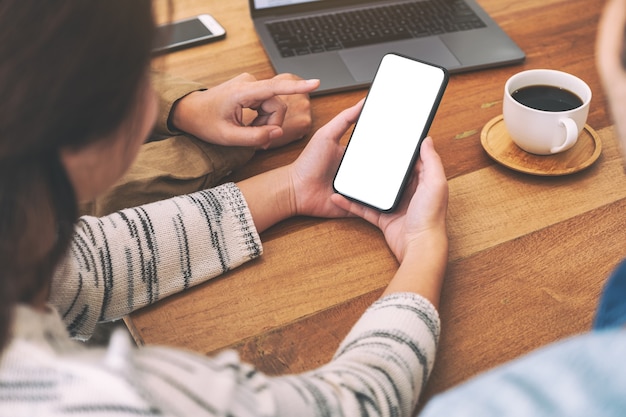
<point>137,256</point>
<point>132,258</point>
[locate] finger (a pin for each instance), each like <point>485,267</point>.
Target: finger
<point>271,112</point>
<point>241,78</point>
<point>266,89</point>
<point>311,85</point>
<point>287,76</point>
<point>254,136</point>
<point>419,164</point>
<point>355,209</point>
<point>342,122</point>
<point>431,166</point>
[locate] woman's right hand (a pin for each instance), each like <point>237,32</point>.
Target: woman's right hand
<point>416,231</point>
<point>422,211</point>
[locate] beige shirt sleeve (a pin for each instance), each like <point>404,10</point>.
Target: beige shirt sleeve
<point>171,163</point>
<point>170,89</point>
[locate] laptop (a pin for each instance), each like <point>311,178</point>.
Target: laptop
<point>341,42</point>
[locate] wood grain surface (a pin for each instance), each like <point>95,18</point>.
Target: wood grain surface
<point>528,254</point>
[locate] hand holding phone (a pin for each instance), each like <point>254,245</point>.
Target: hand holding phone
<point>188,32</point>
<point>396,116</point>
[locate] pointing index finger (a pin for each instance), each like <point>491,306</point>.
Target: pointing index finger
<point>266,89</point>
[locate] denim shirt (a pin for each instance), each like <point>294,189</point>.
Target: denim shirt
<point>583,376</point>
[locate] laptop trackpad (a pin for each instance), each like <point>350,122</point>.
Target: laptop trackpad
<point>363,62</point>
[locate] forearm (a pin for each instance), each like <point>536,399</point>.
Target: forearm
<point>380,368</point>
<point>423,267</point>
<point>269,196</point>
<point>132,258</point>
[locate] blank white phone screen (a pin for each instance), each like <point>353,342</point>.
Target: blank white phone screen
<point>394,119</point>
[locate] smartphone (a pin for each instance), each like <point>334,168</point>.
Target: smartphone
<point>187,32</point>
<point>398,111</point>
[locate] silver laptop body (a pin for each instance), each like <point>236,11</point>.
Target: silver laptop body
<point>340,69</point>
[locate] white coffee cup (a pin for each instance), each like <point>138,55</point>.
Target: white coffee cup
<point>548,128</point>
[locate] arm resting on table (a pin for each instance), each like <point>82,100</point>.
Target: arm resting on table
<point>134,257</point>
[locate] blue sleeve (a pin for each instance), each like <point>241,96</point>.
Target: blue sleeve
<point>580,377</point>
<point>611,311</point>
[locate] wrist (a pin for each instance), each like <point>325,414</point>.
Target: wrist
<point>433,241</point>
<point>270,197</point>
<point>181,112</point>
<point>423,266</point>
<point>284,194</point>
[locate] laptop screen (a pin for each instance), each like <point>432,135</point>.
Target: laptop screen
<point>265,4</point>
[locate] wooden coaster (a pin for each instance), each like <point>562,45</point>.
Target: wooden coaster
<point>499,145</point>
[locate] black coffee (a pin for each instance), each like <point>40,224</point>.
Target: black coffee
<point>547,98</point>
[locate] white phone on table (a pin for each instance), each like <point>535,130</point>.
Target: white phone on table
<point>396,116</point>
<point>187,32</point>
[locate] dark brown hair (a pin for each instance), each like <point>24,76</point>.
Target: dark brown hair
<point>70,73</point>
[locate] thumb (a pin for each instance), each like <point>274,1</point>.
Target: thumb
<point>259,137</point>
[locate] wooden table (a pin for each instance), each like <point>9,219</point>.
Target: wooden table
<point>528,255</point>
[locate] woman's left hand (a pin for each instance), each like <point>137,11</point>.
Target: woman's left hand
<point>311,175</point>
<point>304,187</point>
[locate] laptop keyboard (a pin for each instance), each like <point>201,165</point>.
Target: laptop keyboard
<point>331,32</point>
